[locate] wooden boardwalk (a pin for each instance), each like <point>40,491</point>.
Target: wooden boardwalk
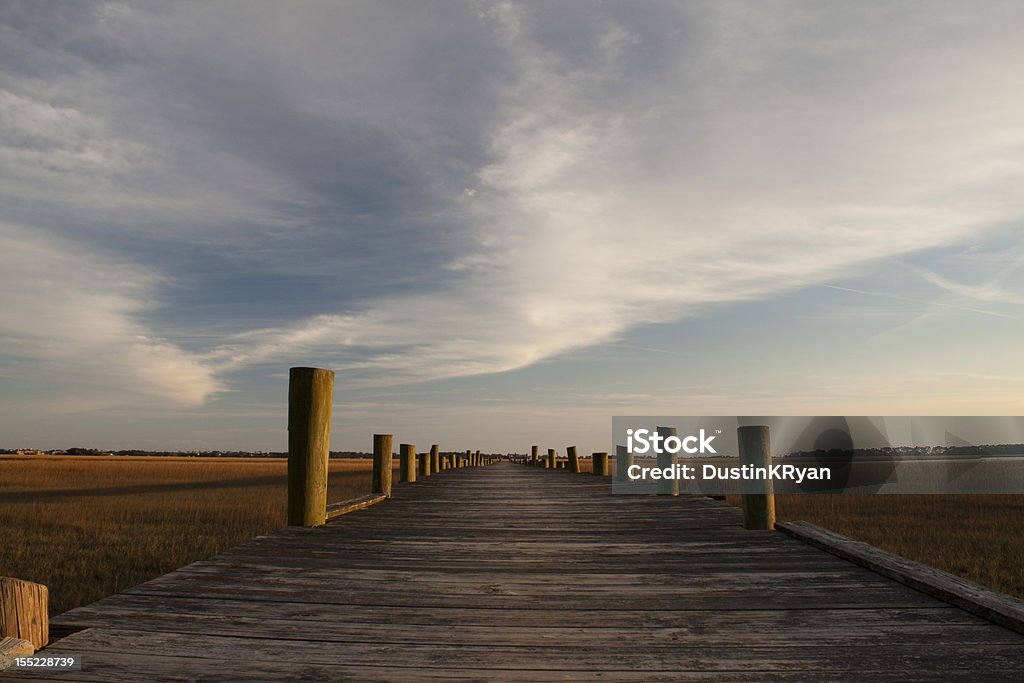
<point>518,573</point>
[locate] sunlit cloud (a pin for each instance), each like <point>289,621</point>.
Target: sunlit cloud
<point>77,314</point>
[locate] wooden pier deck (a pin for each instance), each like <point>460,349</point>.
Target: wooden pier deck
<point>518,573</point>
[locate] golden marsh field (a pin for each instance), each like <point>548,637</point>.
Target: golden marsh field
<point>91,526</point>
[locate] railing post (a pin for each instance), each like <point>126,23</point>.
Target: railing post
<point>758,494</point>
<point>600,467</point>
<point>435,459</point>
<point>23,611</point>
<point>668,487</point>
<point>407,462</point>
<point>382,464</point>
<point>551,458</point>
<point>423,464</point>
<point>623,461</point>
<point>574,459</point>
<point>310,391</point>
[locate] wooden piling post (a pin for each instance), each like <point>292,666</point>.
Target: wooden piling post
<point>477,460</point>
<point>407,462</point>
<point>667,487</point>
<point>574,459</point>
<point>533,455</point>
<point>758,494</point>
<point>23,611</point>
<point>423,464</point>
<point>382,464</point>
<point>469,458</point>
<point>623,461</point>
<point>310,391</point>
<point>551,458</point>
<point>600,467</point>
<point>435,459</point>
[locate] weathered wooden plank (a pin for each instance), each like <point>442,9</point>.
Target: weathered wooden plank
<point>839,629</point>
<point>351,505</point>
<point>802,597</point>
<point>108,667</point>
<point>632,656</point>
<point>112,611</point>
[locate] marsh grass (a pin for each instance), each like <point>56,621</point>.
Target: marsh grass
<point>977,537</point>
<point>90,526</point>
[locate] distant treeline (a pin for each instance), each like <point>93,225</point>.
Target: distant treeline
<point>900,451</point>
<point>173,454</point>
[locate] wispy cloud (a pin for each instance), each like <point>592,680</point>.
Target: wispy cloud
<point>940,304</point>
<point>76,314</point>
<point>990,290</point>
<point>466,188</point>
<point>608,202</point>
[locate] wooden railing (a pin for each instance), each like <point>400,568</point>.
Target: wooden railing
<point>310,394</point>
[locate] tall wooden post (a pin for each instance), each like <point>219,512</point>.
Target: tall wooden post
<point>407,462</point>
<point>758,494</point>
<point>533,455</point>
<point>310,391</point>
<point>600,461</point>
<point>435,459</point>
<point>469,458</point>
<point>667,487</point>
<point>382,464</point>
<point>551,458</point>
<point>23,611</point>
<point>423,464</point>
<point>574,459</point>
<point>623,461</point>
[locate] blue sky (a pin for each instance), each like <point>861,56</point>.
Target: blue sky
<point>503,223</point>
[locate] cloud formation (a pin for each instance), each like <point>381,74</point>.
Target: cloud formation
<point>449,189</point>
<point>74,315</point>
